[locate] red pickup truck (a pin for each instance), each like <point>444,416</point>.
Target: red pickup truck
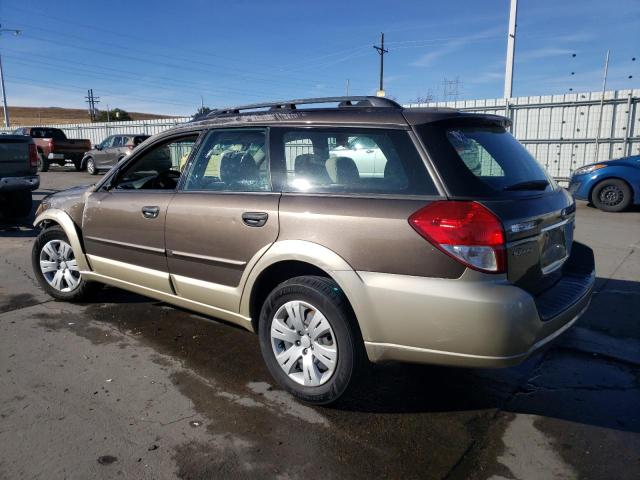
<point>54,147</point>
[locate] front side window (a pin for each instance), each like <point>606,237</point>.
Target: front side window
<point>117,141</point>
<point>232,161</point>
<point>106,143</point>
<point>157,167</point>
<point>355,161</point>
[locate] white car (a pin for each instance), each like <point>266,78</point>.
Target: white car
<point>365,153</point>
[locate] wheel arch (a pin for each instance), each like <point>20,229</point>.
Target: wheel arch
<point>634,192</point>
<point>292,258</point>
<point>83,162</point>
<point>54,216</point>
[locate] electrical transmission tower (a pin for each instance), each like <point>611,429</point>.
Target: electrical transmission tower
<point>451,89</point>
<point>91,101</point>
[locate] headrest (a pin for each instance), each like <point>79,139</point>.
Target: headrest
<point>312,167</point>
<point>238,167</point>
<point>343,170</point>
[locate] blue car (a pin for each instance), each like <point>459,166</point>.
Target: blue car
<point>611,186</point>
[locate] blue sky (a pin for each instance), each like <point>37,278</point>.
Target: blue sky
<point>163,56</point>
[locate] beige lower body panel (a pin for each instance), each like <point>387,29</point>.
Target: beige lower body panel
<point>478,320</point>
<point>158,285</point>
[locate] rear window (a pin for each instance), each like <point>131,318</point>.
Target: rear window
<point>483,160</point>
<point>351,161</point>
<point>48,133</point>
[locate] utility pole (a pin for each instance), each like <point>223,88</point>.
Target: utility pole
<point>92,100</point>
<point>108,114</point>
<point>347,87</point>
<point>4,90</point>
<point>381,50</point>
<point>604,88</point>
<point>4,96</point>
<point>511,49</point>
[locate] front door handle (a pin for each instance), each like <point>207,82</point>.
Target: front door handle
<point>150,212</point>
<point>255,219</point>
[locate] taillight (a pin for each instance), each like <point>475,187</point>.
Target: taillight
<point>33,155</point>
<point>51,144</point>
<point>466,231</point>
<point>130,146</point>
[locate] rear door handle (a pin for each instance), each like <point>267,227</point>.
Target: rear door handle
<point>255,219</point>
<point>150,212</point>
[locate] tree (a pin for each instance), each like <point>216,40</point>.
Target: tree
<point>202,111</point>
<point>114,115</point>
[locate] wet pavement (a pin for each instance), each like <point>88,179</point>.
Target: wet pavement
<point>124,386</point>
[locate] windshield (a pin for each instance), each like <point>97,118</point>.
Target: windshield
<point>483,160</point>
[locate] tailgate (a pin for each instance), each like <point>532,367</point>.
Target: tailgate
<point>14,156</point>
<point>539,234</point>
<point>61,146</point>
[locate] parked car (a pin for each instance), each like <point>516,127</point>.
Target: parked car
<point>18,175</point>
<point>364,152</point>
<point>611,186</point>
<point>54,146</point>
<point>461,253</point>
<point>110,151</point>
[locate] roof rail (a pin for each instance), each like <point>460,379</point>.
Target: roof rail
<point>343,102</point>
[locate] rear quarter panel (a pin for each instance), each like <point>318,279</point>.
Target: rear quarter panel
<point>370,234</point>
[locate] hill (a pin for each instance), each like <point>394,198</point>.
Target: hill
<point>53,115</point>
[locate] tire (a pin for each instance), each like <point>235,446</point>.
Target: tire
<point>311,375</point>
<point>18,204</point>
<point>91,166</point>
<point>43,163</point>
<point>78,165</point>
<point>67,291</point>
<point>612,195</point>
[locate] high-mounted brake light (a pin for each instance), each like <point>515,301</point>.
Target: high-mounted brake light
<point>33,155</point>
<point>467,231</point>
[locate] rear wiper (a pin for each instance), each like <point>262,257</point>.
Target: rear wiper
<point>528,185</point>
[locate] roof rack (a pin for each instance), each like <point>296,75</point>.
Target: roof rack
<point>343,102</point>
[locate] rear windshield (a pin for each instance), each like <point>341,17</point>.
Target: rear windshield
<point>483,160</point>
<point>48,133</point>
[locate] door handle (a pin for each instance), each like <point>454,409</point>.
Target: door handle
<point>369,151</point>
<point>150,212</point>
<point>255,219</point>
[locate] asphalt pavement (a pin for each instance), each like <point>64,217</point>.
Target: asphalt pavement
<point>129,387</point>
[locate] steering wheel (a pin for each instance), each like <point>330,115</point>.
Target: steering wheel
<point>167,180</point>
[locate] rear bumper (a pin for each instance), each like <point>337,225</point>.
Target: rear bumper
<point>474,321</point>
<point>13,184</point>
<point>73,156</point>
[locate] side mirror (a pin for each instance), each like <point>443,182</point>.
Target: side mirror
<point>97,147</point>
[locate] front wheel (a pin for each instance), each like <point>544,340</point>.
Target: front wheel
<point>611,195</point>
<point>309,340</point>
<point>55,266</point>
<point>91,166</point>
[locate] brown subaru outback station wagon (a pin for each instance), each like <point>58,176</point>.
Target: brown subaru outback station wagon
<point>444,243</point>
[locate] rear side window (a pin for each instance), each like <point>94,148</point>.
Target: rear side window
<point>483,160</point>
<point>351,161</point>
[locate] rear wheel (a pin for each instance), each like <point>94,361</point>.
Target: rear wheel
<point>91,166</point>
<point>43,163</point>
<point>56,268</point>
<point>611,195</point>
<point>78,165</point>
<point>309,340</point>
